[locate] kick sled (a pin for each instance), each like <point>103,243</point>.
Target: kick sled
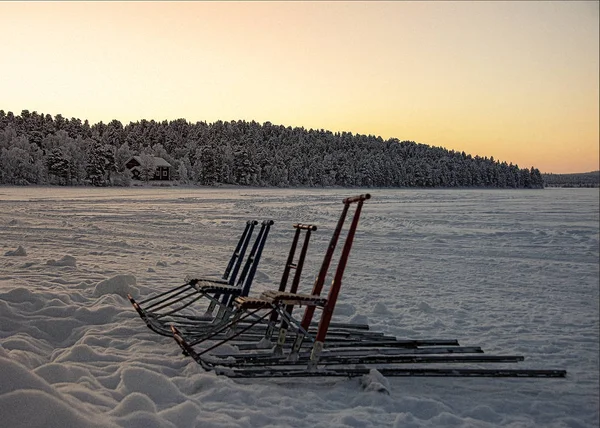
<point>270,340</point>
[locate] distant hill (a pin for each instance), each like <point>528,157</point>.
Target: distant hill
<point>42,149</point>
<point>584,179</point>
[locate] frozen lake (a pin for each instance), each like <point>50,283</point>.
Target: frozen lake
<point>512,271</point>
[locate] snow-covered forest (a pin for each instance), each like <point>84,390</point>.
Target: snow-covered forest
<point>41,149</point>
<point>586,179</point>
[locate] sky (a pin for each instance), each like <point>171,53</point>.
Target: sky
<point>518,81</point>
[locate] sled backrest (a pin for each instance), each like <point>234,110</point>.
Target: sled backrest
<point>320,280</point>
<point>235,261</point>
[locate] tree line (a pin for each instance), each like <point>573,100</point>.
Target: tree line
<point>584,179</point>
<point>42,149</point>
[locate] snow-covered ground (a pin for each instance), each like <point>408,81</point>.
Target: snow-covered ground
<point>515,272</point>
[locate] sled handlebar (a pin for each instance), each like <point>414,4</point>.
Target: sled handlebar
<point>357,198</point>
<point>305,226</point>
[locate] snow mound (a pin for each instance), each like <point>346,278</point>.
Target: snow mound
<point>32,409</point>
<point>359,319</point>
<point>134,402</point>
<point>65,261</point>
<point>26,265</point>
<point>118,284</point>
<point>157,387</point>
<point>375,382</point>
<point>425,307</point>
<point>15,376</point>
<point>18,252</point>
<point>82,354</point>
<point>381,309</point>
<point>264,343</point>
<point>57,373</point>
<point>346,309</point>
<point>181,415</point>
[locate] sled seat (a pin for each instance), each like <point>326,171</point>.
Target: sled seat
<point>195,279</point>
<point>250,303</point>
<point>286,298</point>
<point>270,299</point>
<point>213,287</point>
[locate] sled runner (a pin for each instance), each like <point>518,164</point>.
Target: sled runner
<point>361,363</point>
<point>306,354</point>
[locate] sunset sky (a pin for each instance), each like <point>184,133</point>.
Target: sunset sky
<point>518,81</point>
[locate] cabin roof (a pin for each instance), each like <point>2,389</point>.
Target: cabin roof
<point>157,161</point>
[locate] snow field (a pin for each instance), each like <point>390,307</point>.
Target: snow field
<point>515,272</point>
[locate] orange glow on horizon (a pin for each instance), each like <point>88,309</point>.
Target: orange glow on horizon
<point>514,80</point>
